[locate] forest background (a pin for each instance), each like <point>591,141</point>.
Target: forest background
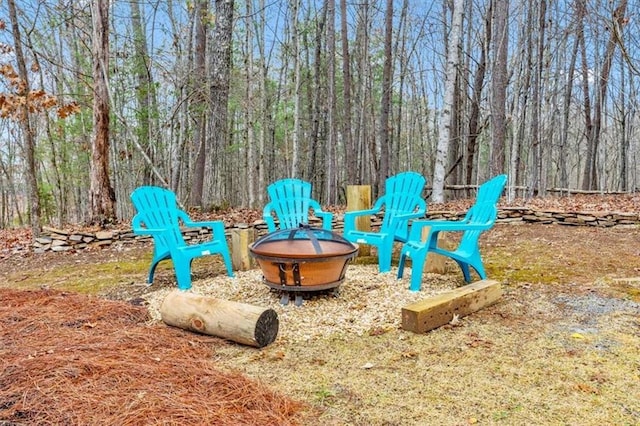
<point>217,99</point>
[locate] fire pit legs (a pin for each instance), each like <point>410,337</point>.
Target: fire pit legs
<point>284,300</point>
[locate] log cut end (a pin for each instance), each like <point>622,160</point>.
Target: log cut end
<point>266,329</point>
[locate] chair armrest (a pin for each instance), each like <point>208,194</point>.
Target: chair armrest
<point>350,218</point>
<point>138,229</point>
<point>327,217</point>
<point>444,225</point>
<point>268,218</point>
<point>217,226</point>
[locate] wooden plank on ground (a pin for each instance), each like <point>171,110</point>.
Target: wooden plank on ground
<point>439,310</point>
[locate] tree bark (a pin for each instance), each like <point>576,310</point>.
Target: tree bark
<point>347,132</point>
<point>499,83</point>
<point>199,106</point>
<point>383,130</point>
<point>330,148</point>
<point>297,83</point>
<point>102,195</point>
<point>442,149</point>
<point>476,99</point>
<point>26,127</point>
<point>591,175</point>
<point>220,73</point>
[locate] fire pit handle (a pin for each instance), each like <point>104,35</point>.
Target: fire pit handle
<point>295,270</point>
<point>312,237</point>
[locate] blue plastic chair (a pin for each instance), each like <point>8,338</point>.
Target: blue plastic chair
<point>402,201</point>
<point>158,215</point>
<point>290,201</point>
<point>480,217</point>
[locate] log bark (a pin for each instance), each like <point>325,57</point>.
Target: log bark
<point>239,322</point>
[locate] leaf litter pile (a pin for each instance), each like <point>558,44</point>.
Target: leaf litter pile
<point>69,359</point>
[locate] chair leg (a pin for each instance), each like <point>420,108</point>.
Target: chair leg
<point>385,249</point>
<point>227,261</point>
<point>183,274</point>
<point>384,260</point>
<point>403,258</point>
<point>465,271</point>
<point>152,271</point>
<point>417,266</point>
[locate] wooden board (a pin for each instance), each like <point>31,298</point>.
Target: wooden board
<point>439,310</point>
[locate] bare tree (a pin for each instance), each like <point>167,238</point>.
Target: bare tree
<point>25,125</point>
<point>101,193</point>
<point>199,107</point>
<point>499,82</point>
<point>590,179</point>
<point>330,147</point>
<point>347,132</point>
<point>451,69</point>
<point>385,103</point>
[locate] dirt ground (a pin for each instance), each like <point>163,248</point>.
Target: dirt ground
<point>562,346</point>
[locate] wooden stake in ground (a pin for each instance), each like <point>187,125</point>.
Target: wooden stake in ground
<point>240,322</point>
<point>359,198</point>
<point>241,238</point>
<point>439,310</point>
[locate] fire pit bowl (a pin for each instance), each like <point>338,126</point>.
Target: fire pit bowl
<point>303,259</point>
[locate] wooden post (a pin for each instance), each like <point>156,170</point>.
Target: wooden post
<point>241,237</point>
<point>359,198</point>
<point>436,263</point>
<point>439,310</point>
<point>240,322</point>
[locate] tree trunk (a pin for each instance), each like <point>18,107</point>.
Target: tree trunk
<point>144,88</point>
<point>601,94</point>
<point>297,83</point>
<point>26,127</point>
<point>220,73</point>
<point>330,158</point>
<point>199,106</point>
<point>101,194</point>
<point>478,83</point>
<point>499,83</point>
<point>442,149</point>
<point>347,131</point>
<point>383,130</point>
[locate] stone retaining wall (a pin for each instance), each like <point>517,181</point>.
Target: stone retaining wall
<point>61,240</point>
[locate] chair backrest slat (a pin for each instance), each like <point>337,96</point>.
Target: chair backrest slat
<point>403,194</point>
<point>485,209</point>
<point>158,209</point>
<point>290,200</point>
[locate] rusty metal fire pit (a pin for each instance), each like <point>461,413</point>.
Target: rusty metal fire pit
<point>302,260</point>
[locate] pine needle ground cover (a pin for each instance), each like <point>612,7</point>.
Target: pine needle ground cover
<point>70,359</point>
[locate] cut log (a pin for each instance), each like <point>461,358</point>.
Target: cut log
<point>240,322</point>
<point>439,310</point>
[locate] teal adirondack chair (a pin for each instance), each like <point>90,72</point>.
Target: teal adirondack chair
<point>402,201</point>
<point>290,201</point>
<point>480,217</point>
<point>158,215</point>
